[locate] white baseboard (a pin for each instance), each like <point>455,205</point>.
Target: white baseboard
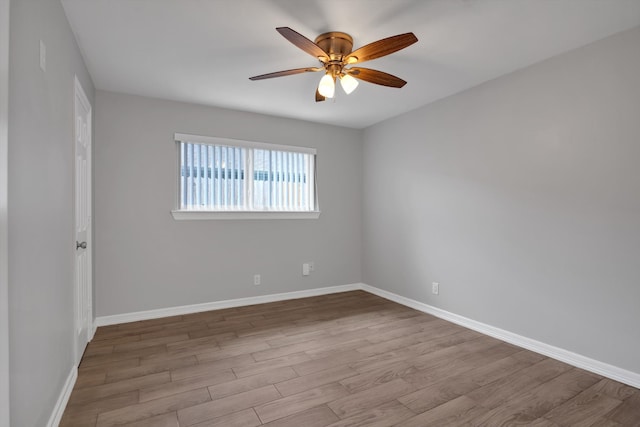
<point>217,305</point>
<point>574,359</point>
<point>571,358</point>
<point>92,332</point>
<point>63,399</point>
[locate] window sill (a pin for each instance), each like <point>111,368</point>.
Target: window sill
<point>217,215</point>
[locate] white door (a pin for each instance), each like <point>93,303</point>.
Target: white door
<point>82,188</point>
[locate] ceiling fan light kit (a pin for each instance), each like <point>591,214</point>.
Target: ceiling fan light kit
<point>348,83</point>
<point>334,51</point>
<point>327,86</point>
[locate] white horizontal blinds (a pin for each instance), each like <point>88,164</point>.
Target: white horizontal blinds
<point>245,177</point>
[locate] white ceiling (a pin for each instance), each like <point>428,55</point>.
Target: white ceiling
<point>204,51</point>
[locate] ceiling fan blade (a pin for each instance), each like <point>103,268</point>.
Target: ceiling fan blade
<point>286,73</point>
<point>381,48</point>
<point>377,77</point>
<point>319,98</point>
<point>303,43</point>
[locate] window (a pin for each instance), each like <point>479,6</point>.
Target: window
<point>230,179</point>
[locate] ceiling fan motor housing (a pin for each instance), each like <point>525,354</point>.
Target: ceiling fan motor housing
<point>336,44</point>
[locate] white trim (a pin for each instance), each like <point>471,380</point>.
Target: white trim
<point>574,359</point>
<point>185,137</point>
<point>63,399</point>
<point>247,210</point>
<point>79,95</point>
<point>92,330</point>
<point>217,305</point>
<point>200,215</point>
<point>4,209</point>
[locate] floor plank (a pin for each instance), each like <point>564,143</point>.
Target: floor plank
<point>456,412</point>
<point>115,375</point>
<point>628,412</point>
<point>299,402</point>
<point>319,416</point>
<point>180,386</point>
<point>245,418</point>
<point>386,414</point>
<point>530,405</point>
<point>227,405</point>
<point>164,420</point>
<point>105,390</point>
<point>316,379</point>
<point>584,409</point>
<point>86,413</point>
<point>276,376</point>
<point>141,411</point>
<point>371,398</point>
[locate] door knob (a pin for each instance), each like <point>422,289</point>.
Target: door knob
<point>82,245</point>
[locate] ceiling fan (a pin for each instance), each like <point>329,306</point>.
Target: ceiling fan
<point>333,50</point>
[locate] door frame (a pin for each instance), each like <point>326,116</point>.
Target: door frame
<point>79,95</point>
<point>4,208</point>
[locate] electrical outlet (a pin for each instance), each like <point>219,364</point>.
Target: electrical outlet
<point>435,288</point>
<point>256,279</point>
<point>305,269</point>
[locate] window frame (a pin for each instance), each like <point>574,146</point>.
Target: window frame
<point>182,214</point>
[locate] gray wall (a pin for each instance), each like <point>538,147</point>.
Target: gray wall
<point>522,198</point>
<point>144,259</point>
<point>41,207</point>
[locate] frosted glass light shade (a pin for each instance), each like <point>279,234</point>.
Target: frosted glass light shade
<point>348,83</point>
<point>327,86</point>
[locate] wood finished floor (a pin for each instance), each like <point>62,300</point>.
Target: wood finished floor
<point>349,359</point>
